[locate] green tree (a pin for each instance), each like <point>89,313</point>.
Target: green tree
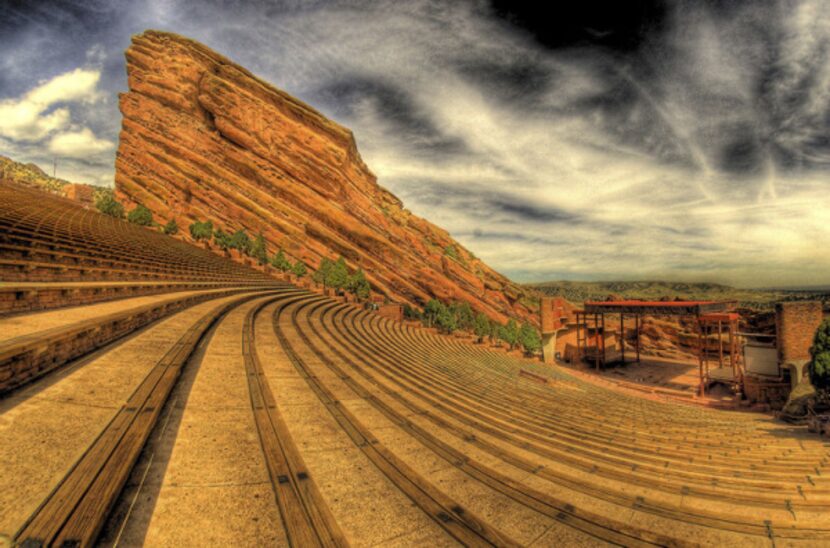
<point>529,338</point>
<point>510,333</point>
<point>446,320</point>
<point>280,262</point>
<point>493,335</point>
<point>299,269</point>
<point>258,249</point>
<point>107,205</point>
<point>322,273</point>
<point>464,315</point>
<point>358,285</point>
<point>481,327</point>
<point>171,228</point>
<point>819,367</point>
<point>222,239</point>
<point>338,275</point>
<point>241,241</point>
<point>140,215</point>
<point>410,313</point>
<point>431,311</point>
<point>201,230</point>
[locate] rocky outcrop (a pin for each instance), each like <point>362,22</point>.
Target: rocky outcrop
<point>203,138</point>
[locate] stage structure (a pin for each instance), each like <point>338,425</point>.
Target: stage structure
<point>710,317</point>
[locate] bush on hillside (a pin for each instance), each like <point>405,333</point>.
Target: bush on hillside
<point>410,313</point>
<point>446,320</point>
<point>530,339</point>
<point>107,205</point>
<point>358,285</point>
<point>258,249</point>
<point>493,335</point>
<point>140,216</point>
<point>338,275</point>
<point>280,262</point>
<point>464,314</point>
<point>481,327</point>
<point>171,228</point>
<point>320,276</point>
<point>222,239</point>
<point>431,311</point>
<point>510,333</point>
<point>241,242</point>
<point>201,230</point>
<point>299,269</point>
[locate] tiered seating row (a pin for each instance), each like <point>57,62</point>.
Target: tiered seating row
<point>595,525</point>
<point>75,511</point>
<point>459,522</point>
<point>307,519</point>
<point>710,466</point>
<point>609,467</point>
<point>32,297</point>
<point>45,238</point>
<point>28,357</point>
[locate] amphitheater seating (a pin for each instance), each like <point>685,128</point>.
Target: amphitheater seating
<point>705,469</point>
<point>190,400</point>
<point>45,238</point>
<point>55,253</point>
<point>21,297</point>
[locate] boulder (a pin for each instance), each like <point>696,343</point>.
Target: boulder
<point>795,410</point>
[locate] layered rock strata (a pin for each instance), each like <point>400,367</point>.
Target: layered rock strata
<point>203,138</point>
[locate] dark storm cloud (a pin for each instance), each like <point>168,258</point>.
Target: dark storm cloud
<point>490,206</point>
<point>395,107</point>
<point>617,26</point>
<point>632,119</point>
<point>742,153</point>
<point>528,211</point>
<point>509,80</point>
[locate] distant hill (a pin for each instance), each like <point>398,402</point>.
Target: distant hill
<point>797,288</point>
<point>32,176</point>
<point>578,292</point>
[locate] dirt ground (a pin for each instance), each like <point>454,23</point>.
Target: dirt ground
<point>652,371</point>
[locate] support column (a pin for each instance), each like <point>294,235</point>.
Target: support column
<point>702,387</point>
<point>637,328</point>
<point>602,338</point>
<point>622,336</point>
<point>549,347</point>
<point>706,332</point>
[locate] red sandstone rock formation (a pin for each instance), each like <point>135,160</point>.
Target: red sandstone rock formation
<point>203,138</point>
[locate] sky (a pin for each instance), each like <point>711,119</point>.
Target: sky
<point>674,140</point>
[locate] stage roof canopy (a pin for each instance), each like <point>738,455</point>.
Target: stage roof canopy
<point>659,308</point>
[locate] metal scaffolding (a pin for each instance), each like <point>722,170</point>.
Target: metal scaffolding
<point>710,317</point>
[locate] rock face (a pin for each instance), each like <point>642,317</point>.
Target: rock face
<point>203,138</point>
